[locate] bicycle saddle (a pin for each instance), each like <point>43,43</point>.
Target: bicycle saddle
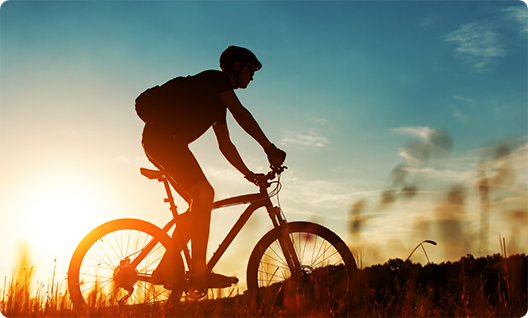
<point>152,174</point>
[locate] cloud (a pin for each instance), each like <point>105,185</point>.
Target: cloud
<point>416,132</point>
<point>455,174</point>
<point>518,16</point>
<point>427,144</point>
<point>478,44</point>
<point>228,176</point>
<point>464,99</point>
<point>322,194</point>
<point>426,22</point>
<point>309,138</point>
<point>460,116</point>
<point>459,112</point>
<point>321,121</point>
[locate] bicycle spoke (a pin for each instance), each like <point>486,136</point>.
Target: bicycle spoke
<point>108,242</point>
<point>98,286</point>
<point>317,249</point>
<point>319,256</point>
<point>128,241</point>
<point>144,243</point>
<point>151,294</point>
<point>275,274</point>
<point>97,281</point>
<point>144,269</point>
<point>322,255</point>
<point>103,265</point>
<point>97,277</point>
<point>270,279</point>
<point>305,245</point>
<point>109,259</point>
<point>275,265</point>
<point>314,253</point>
<point>278,259</point>
<point>119,245</point>
<point>99,261</point>
<point>327,259</point>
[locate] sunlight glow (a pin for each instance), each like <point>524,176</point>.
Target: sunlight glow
<point>58,217</point>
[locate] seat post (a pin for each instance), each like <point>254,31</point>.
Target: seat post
<point>170,198</point>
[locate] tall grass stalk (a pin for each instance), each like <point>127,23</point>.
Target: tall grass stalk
<point>404,293</point>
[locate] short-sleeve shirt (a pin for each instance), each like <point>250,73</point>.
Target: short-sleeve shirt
<point>193,105</point>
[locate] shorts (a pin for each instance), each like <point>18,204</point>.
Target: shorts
<point>172,154</point>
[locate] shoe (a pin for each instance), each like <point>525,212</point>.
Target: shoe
<point>211,280</point>
<point>163,276</point>
<point>220,281</point>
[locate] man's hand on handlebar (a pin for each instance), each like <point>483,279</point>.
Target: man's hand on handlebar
<point>276,156</point>
<point>253,177</point>
<point>257,178</point>
<point>278,169</point>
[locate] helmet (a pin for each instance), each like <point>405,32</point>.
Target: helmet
<point>236,53</point>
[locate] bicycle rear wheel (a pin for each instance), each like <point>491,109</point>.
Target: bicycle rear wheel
<point>327,267</point>
<point>99,275</point>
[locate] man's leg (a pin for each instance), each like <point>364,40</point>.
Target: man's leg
<point>202,197</point>
<point>173,156</point>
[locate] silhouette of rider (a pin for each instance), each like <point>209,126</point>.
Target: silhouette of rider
<point>196,103</point>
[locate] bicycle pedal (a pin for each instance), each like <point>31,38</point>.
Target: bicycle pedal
<point>220,281</point>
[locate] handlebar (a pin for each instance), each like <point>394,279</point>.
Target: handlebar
<point>279,169</point>
<point>263,180</point>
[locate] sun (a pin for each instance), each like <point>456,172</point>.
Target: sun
<point>59,216</point>
<point>54,211</point>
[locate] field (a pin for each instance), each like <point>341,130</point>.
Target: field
<point>490,286</point>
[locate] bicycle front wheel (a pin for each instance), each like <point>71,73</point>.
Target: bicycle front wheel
<point>327,266</point>
<point>100,274</point>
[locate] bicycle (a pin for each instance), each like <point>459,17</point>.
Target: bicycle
<point>113,264</point>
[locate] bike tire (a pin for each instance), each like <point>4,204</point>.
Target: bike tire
<point>327,264</point>
<point>91,274</point>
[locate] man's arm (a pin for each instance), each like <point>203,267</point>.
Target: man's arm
<point>228,149</point>
<point>244,118</point>
<point>249,124</point>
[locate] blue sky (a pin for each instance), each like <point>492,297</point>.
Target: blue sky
<point>366,97</point>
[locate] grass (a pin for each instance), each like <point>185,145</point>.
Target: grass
<point>483,287</point>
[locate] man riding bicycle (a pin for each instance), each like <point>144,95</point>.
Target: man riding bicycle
<point>192,105</point>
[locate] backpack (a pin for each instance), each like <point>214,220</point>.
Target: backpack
<point>148,102</point>
<point>154,100</point>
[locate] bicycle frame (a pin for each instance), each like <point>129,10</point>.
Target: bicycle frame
<point>255,201</point>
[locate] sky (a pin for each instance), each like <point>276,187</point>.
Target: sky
<point>402,121</point>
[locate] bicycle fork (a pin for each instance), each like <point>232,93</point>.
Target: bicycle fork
<point>285,241</point>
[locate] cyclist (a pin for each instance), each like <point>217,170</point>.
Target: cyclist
<point>194,104</point>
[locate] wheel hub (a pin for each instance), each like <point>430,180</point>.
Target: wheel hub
<point>125,276</point>
<point>307,270</point>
